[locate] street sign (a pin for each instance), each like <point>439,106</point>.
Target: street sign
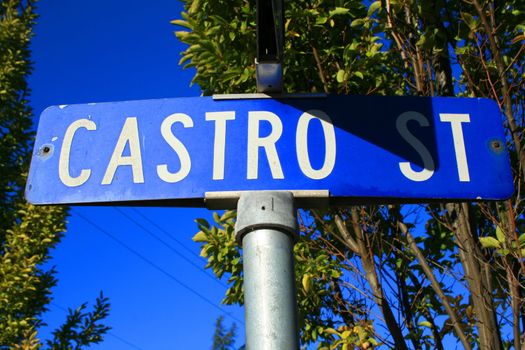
<point>353,148</point>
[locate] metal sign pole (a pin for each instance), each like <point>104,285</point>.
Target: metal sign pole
<point>266,226</point>
<point>266,223</point>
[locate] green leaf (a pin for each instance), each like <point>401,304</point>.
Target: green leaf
<point>338,11</point>
<point>361,333</point>
<point>200,237</point>
<point>374,7</point>
<point>490,242</point>
<point>425,324</point>
<point>184,59</point>
<point>357,22</point>
<point>373,341</point>
<point>203,223</point>
<point>340,76</point>
<point>500,234</point>
<point>470,20</point>
<point>321,20</point>
<point>422,40</point>
<point>181,22</point>
<point>399,262</point>
<point>346,334</point>
<point>331,331</point>
<point>503,252</point>
<point>521,239</point>
<point>462,50</point>
<point>229,214</point>
<point>182,34</point>
<point>307,282</point>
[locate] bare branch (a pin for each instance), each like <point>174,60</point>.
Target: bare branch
<point>435,285</point>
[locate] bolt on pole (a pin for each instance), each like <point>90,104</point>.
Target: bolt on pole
<point>267,228</point>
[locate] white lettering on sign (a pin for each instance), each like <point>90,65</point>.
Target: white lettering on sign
<point>301,142</point>
<point>65,151</point>
<point>455,121</point>
<point>177,146</point>
<point>428,163</point>
<point>267,143</point>
<point>128,135</point>
<point>219,143</point>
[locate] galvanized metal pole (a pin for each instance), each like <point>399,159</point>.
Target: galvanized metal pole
<point>266,226</point>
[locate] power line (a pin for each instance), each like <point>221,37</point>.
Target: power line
<point>124,341</point>
<point>166,244</point>
<point>155,266</point>
<point>158,227</point>
<point>119,338</point>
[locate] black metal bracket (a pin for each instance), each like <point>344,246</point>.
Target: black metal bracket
<point>270,38</point>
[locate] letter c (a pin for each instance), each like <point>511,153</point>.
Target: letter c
<point>63,162</point>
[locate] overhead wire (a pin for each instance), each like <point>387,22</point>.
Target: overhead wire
<point>170,247</point>
<point>124,341</point>
<point>155,266</point>
<point>168,234</point>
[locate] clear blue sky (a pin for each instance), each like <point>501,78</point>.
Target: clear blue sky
<point>115,50</point>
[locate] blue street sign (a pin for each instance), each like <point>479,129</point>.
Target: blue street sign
<point>357,148</point>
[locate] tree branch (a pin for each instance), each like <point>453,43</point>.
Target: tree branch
<point>371,275</point>
<point>435,285</point>
<point>472,260</point>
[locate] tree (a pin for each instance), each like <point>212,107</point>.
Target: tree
<point>27,233</point>
<point>364,277</point>
<point>222,339</point>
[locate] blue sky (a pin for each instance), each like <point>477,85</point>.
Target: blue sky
<point>143,259</point>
